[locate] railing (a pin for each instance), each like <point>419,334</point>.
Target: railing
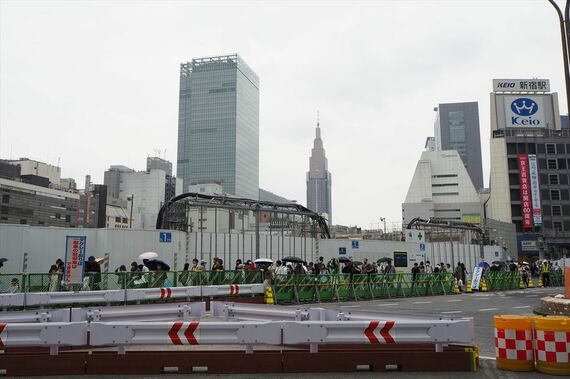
<point>339,287</point>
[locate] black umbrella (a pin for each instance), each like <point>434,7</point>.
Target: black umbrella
<point>293,260</point>
<point>343,259</point>
<point>357,263</point>
<point>153,264</point>
<point>384,259</point>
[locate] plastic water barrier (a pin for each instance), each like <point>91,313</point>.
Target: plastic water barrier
<point>42,315</point>
<point>154,312</point>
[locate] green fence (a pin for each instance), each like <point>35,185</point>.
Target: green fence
<point>346,287</point>
<point>35,282</point>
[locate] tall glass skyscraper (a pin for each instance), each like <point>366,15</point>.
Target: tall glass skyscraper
<point>319,180</point>
<point>457,128</point>
<point>218,125</point>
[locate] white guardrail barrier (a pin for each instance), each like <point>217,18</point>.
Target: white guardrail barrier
<point>185,333</point>
<point>52,334</point>
<point>40,315</point>
<point>151,312</point>
<point>179,324</point>
<point>122,296</point>
<point>378,332</point>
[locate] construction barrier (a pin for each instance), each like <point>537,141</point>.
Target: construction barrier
<point>513,343</point>
<point>60,298</point>
<point>144,294</point>
<point>153,312</point>
<point>379,332</point>
<point>185,333</point>
<point>552,336</point>
<point>41,315</point>
<point>51,334</point>
<point>232,290</point>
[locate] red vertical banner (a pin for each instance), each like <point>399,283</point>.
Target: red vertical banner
<point>526,203</point>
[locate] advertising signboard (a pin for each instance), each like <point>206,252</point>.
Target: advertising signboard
<point>534,190</point>
<point>524,111</point>
<point>521,85</point>
<point>74,259</point>
<point>525,191</point>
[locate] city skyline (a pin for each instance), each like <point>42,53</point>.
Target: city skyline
<point>114,96</point>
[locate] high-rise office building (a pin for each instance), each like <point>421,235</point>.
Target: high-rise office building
<point>457,128</point>
<point>319,180</point>
<point>218,125</point>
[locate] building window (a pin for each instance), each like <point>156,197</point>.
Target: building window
<point>5,199</point>
<point>58,215</point>
<point>117,219</point>
<point>4,210</point>
<point>67,218</point>
<point>555,194</point>
<point>23,222</point>
<point>125,220</point>
<point>550,148</point>
<point>553,179</point>
<point>446,194</point>
<point>556,210</point>
<point>445,185</point>
<point>557,225</point>
<point>552,164</point>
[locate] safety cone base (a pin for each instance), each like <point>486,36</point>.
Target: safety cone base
<point>514,365</point>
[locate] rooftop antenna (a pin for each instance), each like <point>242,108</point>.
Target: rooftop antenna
<point>318,123</point>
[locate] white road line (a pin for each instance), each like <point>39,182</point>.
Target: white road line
<point>454,301</point>
<point>506,297</point>
<point>350,306</point>
<point>448,312</point>
<point>385,305</point>
<point>488,309</point>
<point>531,296</point>
<point>422,302</point>
<point>523,306</point>
<point>488,358</point>
<point>483,298</point>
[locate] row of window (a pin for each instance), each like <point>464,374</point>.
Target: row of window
<point>540,148</point>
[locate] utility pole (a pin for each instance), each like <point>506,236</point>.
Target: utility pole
<point>132,200</point>
<point>564,26</point>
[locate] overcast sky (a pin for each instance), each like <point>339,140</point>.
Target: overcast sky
<point>95,83</point>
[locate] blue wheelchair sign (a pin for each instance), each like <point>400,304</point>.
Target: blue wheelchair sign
<point>355,244</point>
<point>422,247</point>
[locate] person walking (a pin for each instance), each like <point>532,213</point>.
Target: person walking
<point>546,273</point>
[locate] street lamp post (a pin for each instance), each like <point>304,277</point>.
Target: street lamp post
<point>132,200</point>
<point>564,26</point>
<point>383,219</point>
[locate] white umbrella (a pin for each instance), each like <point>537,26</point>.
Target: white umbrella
<point>263,260</point>
<point>525,263</point>
<point>148,255</point>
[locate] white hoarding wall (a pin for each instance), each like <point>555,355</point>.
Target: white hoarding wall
<point>45,245</point>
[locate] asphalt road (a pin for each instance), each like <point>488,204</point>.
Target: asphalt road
<point>481,306</point>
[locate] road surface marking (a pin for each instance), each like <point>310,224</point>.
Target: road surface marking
<point>531,296</point>
<point>422,302</point>
<point>350,306</point>
<point>488,358</point>
<point>448,312</point>
<point>483,298</point>
<point>453,301</point>
<point>385,305</point>
<point>488,309</point>
<point>506,297</point>
<point>523,306</point>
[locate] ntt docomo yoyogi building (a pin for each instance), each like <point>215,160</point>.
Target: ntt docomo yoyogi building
<point>530,167</point>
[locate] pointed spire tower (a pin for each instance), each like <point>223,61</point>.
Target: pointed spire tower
<point>319,179</point>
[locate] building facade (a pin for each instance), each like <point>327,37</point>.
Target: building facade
<point>457,128</point>
<point>319,180</point>
<point>441,189</point>
<point>530,168</point>
<point>143,191</point>
<point>218,125</point>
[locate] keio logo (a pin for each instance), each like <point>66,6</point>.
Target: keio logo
<point>524,108</point>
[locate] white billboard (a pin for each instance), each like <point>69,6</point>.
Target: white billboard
<point>534,190</point>
<point>521,85</point>
<point>524,111</point>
